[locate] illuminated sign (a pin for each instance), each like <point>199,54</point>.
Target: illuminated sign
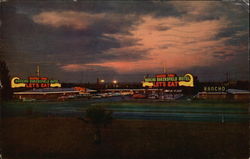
<point>189,83</point>
<point>169,80</point>
<point>34,82</point>
<point>147,84</point>
<point>214,88</point>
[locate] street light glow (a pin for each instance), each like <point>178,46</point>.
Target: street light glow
<point>115,81</point>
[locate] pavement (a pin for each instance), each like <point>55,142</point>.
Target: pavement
<point>133,110</point>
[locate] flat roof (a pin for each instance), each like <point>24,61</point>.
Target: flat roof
<point>212,93</point>
<point>22,93</point>
<point>238,91</point>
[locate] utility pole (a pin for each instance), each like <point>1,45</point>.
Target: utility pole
<point>38,71</point>
<point>164,68</point>
<point>228,76</point>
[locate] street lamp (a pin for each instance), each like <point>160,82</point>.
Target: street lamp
<point>115,83</point>
<point>102,81</point>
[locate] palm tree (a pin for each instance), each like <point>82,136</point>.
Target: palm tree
<point>98,117</point>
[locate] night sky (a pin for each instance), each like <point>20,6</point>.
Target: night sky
<point>78,41</point>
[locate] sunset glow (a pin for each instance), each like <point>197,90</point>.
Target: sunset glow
<point>201,37</point>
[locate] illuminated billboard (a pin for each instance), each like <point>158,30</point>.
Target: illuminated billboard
<point>214,89</point>
<point>169,80</point>
<point>34,82</point>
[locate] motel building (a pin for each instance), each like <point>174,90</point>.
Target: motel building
<point>160,86</point>
<point>221,92</point>
<point>43,88</point>
<point>171,87</point>
<point>239,95</point>
<point>213,92</point>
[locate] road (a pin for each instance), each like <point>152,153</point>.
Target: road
<point>135,110</point>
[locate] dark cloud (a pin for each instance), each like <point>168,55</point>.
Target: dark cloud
<point>236,67</point>
<point>25,43</point>
<point>237,18</point>
<point>32,44</point>
<point>39,42</point>
<point>53,71</point>
<point>232,32</point>
<point>165,46</point>
<point>237,29</point>
<point>207,17</point>
<point>156,8</point>
<point>130,54</point>
<point>222,55</point>
<point>162,28</point>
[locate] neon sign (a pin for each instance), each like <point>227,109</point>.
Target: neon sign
<point>34,82</point>
<point>147,84</point>
<point>169,80</point>
<point>214,88</point>
<point>189,83</point>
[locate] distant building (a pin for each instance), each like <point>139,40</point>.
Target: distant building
<point>212,95</point>
<point>45,93</point>
<point>239,95</point>
<point>230,94</point>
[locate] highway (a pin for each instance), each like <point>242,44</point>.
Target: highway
<point>183,116</point>
<point>134,110</point>
<point>205,117</point>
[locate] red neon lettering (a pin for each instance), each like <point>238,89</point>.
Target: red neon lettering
<point>171,75</point>
<point>44,85</point>
<point>160,76</point>
<point>172,84</point>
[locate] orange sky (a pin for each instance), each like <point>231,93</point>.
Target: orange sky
<point>122,38</point>
<point>174,42</point>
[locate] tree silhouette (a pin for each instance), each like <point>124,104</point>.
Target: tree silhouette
<point>5,87</point>
<point>98,117</point>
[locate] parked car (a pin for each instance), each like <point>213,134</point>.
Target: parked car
<point>96,96</point>
<point>153,96</point>
<point>139,96</point>
<point>28,100</point>
<point>62,98</point>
